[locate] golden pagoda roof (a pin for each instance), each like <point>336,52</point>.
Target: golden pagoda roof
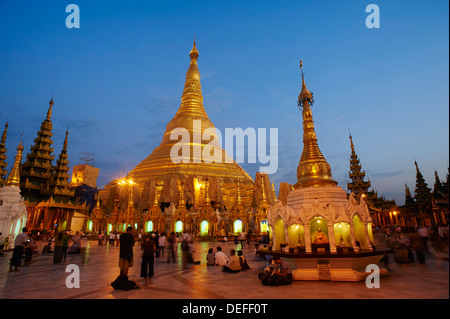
<point>190,114</point>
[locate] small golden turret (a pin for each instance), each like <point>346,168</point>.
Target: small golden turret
<point>313,169</point>
<point>14,176</point>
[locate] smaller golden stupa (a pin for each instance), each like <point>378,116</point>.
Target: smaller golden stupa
<point>313,169</point>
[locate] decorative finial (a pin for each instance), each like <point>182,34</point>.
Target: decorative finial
<point>194,52</point>
<point>305,95</point>
<point>49,112</point>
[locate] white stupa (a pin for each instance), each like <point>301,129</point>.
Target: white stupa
<point>13,212</point>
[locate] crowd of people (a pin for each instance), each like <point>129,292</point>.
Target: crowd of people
<point>408,245</point>
<point>411,244</point>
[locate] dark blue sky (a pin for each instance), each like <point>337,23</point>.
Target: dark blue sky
<point>118,79</point>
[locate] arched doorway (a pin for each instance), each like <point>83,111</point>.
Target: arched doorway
<point>296,235</point>
<point>204,228</point>
<point>342,234</point>
<point>360,234</point>
<point>179,226</point>
<point>237,226</point>
<point>318,230</point>
<point>280,237</point>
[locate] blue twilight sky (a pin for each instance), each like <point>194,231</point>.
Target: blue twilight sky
<point>118,79</point>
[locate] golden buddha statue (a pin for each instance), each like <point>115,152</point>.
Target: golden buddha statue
<point>321,238</point>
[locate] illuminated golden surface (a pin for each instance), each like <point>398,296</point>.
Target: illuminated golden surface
<point>14,176</point>
<point>159,165</point>
<point>313,169</point>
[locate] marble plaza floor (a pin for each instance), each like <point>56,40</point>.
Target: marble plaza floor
<point>99,267</point>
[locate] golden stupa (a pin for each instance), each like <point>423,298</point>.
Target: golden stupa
<point>313,169</point>
<point>188,189</point>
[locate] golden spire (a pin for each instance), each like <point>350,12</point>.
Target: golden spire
<point>313,169</point>
<point>14,176</point>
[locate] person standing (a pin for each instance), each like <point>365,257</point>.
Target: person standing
<point>126,251</point>
<point>161,245</point>
<point>148,259</point>
<point>58,252</point>
<point>65,245</point>
<point>417,244</point>
<point>19,245</point>
<point>112,236</point>
<point>156,240</point>
<point>173,247</point>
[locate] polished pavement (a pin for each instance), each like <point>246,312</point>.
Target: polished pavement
<point>99,267</point>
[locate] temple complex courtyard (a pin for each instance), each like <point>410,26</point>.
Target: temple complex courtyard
<point>99,267</point>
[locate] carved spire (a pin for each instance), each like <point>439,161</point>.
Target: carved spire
<point>36,170</point>
<point>313,169</point>
<point>357,184</point>
<point>49,112</point>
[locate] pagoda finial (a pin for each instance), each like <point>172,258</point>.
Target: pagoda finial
<point>14,176</point>
<point>65,140</point>
<point>4,132</point>
<point>194,52</point>
<point>305,95</point>
<point>49,112</point>
<point>351,141</point>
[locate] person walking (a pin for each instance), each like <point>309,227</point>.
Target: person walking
<point>173,247</point>
<point>148,258</point>
<point>65,245</point>
<point>417,244</point>
<point>161,245</point>
<point>185,250</point>
<point>19,246</point>
<point>112,237</point>
<point>58,252</point>
<point>126,251</point>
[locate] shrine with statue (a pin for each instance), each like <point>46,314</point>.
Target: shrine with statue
<point>318,223</point>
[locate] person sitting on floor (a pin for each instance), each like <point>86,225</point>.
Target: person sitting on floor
<point>234,265</point>
<point>243,261</point>
<point>47,249</point>
<point>279,273</point>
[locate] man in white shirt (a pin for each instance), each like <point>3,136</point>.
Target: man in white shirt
<point>19,246</point>
<point>161,244</point>
<point>220,257</point>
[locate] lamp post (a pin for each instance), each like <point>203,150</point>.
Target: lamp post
<point>129,183</point>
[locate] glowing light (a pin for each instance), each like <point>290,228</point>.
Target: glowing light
<point>204,228</point>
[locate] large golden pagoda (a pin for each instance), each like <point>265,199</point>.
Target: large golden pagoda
<point>187,191</point>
